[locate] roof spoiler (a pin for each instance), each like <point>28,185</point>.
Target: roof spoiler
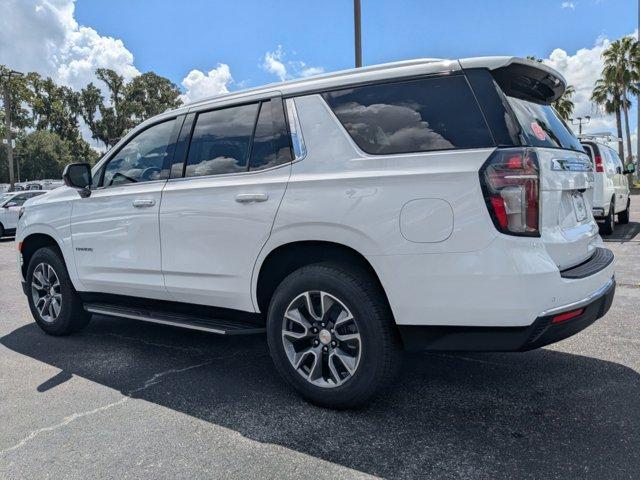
<point>522,78</point>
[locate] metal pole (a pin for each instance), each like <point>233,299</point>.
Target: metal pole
<point>7,127</point>
<point>358,32</point>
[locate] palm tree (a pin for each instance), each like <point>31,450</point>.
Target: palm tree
<point>622,68</point>
<point>564,105</point>
<point>606,95</point>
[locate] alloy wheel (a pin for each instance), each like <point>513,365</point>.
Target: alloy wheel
<point>46,293</point>
<point>321,339</point>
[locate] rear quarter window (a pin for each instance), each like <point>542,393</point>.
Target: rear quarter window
<point>411,116</point>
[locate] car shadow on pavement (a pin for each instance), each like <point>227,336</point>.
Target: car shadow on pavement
<point>623,233</point>
<point>539,414</point>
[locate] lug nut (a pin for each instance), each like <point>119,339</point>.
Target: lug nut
<point>314,330</point>
<point>315,343</point>
<point>333,344</point>
<point>322,325</point>
<point>325,349</point>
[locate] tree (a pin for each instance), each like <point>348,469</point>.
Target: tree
<point>43,154</point>
<point>606,95</point>
<point>129,103</point>
<point>148,95</point>
<point>563,105</point>
<point>622,69</point>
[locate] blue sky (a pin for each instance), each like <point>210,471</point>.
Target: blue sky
<point>172,37</point>
<point>210,47</point>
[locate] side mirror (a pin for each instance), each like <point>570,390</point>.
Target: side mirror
<point>78,176</point>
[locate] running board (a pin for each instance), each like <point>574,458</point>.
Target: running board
<point>192,322</point>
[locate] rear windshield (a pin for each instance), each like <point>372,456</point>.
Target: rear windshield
<point>541,126</point>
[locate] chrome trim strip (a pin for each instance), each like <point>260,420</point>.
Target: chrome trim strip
<point>153,320</point>
<point>580,303</point>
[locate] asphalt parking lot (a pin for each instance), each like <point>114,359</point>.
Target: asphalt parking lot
<point>132,400</point>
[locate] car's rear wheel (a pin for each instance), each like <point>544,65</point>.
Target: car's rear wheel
<point>623,217</point>
<point>609,224</point>
<point>331,335</point>
<point>54,303</point>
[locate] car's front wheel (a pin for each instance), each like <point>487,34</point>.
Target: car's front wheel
<point>331,335</point>
<point>54,303</point>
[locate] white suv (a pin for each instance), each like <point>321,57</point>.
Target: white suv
<point>10,205</point>
<point>428,204</point>
<point>611,187</point>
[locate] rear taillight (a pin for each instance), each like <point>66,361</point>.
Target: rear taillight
<point>598,162</point>
<point>510,181</point>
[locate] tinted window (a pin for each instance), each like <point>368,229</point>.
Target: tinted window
<point>541,126</point>
<point>144,158</point>
<point>220,141</point>
<point>20,199</point>
<point>269,140</point>
<point>419,115</point>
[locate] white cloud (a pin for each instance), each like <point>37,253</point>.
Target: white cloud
<point>274,62</point>
<point>43,36</point>
<point>198,85</point>
<point>569,5</point>
<point>581,70</point>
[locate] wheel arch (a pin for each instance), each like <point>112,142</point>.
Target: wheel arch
<point>32,243</point>
<point>286,258</point>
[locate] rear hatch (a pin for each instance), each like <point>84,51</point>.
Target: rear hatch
<point>566,223</point>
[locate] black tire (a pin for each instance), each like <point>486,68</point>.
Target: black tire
<point>609,224</point>
<point>623,217</point>
<point>379,347</point>
<point>71,316</point>
<point>1,230</point>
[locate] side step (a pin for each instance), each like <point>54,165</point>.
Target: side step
<point>182,320</point>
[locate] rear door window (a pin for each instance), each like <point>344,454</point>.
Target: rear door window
<point>542,127</point>
<point>270,145</point>
<point>421,115</point>
<point>220,141</point>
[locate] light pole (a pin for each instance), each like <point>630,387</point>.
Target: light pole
<point>580,121</point>
<point>357,32</point>
<point>6,75</point>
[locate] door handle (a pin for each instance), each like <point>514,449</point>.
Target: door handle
<point>143,203</point>
<point>251,197</point>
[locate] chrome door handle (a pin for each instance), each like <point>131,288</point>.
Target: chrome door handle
<point>143,203</point>
<point>251,197</point>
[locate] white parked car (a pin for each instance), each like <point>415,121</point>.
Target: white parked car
<point>10,204</point>
<point>427,204</point>
<point>611,189</point>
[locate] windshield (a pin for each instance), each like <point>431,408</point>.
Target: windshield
<point>4,198</point>
<point>541,126</point>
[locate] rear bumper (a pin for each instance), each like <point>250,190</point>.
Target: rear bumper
<point>543,331</point>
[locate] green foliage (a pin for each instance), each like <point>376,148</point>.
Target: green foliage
<point>129,103</point>
<point>43,154</point>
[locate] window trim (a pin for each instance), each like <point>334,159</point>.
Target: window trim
<point>172,140</point>
<point>406,80</point>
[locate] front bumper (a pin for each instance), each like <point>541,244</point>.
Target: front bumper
<point>543,331</point>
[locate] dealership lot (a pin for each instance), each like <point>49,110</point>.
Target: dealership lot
<point>131,400</point>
